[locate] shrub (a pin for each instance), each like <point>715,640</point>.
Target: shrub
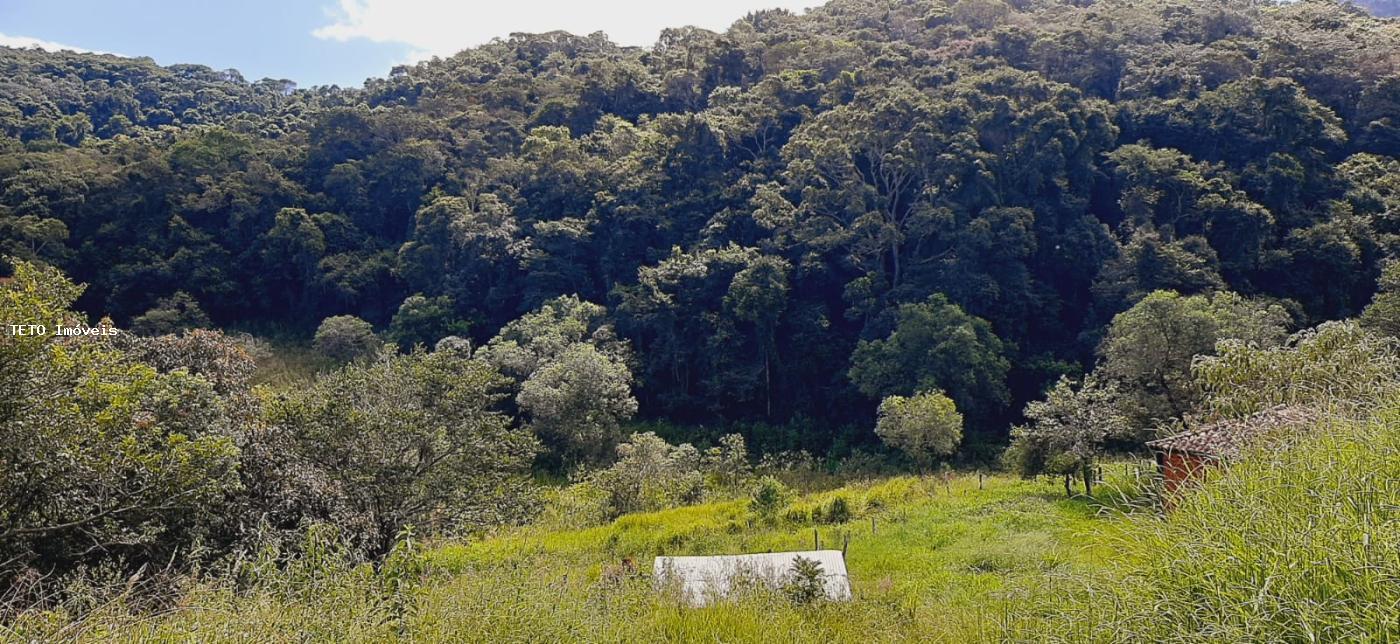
<point>173,314</point>
<point>424,320</point>
<point>346,338</point>
<point>925,426</point>
<point>837,511</point>
<point>103,456</point>
<point>577,403</point>
<point>650,475</point>
<point>806,582</point>
<point>768,497</point>
<point>1336,363</point>
<point>797,516</point>
<point>727,464</point>
<point>1068,431</point>
<point>403,440</point>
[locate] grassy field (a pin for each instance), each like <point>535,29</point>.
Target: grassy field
<point>932,558</point>
<point>926,558</point>
<point>1297,543</point>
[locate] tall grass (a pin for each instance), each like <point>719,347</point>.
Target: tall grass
<point>1297,543</point>
<point>1300,541</point>
<point>942,558</point>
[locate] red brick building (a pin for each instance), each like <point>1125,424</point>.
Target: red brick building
<point>1184,457</point>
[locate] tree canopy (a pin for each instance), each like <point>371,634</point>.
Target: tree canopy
<point>783,223</point>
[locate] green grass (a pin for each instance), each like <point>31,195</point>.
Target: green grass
<point>934,565</point>
<point>1297,543</point>
<point>941,561</point>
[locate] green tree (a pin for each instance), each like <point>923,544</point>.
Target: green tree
<point>1171,194</point>
<point>577,403</point>
<point>465,248</point>
<point>1382,315</point>
<point>926,426</point>
<point>1068,431</point>
<point>424,320</point>
<point>758,294</point>
<point>936,346</point>
<point>346,338</point>
<point>291,253</point>
<point>1149,348</point>
<point>115,459</point>
<point>179,312</point>
<point>1336,364</point>
<point>1150,263</point>
<point>537,338</point>
<point>768,497</point>
<point>402,440</point>
<point>650,474</point>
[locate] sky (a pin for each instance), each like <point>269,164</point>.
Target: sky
<point>343,42</point>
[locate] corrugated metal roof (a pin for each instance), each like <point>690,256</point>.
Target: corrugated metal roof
<point>704,579</point>
<point>1226,438</point>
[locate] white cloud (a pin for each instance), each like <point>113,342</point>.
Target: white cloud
<point>7,40</point>
<point>444,27</point>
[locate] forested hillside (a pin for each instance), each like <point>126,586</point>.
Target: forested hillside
<point>785,222</point>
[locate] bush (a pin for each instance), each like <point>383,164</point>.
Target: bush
<point>768,497</point>
<point>346,338</point>
<point>103,457</point>
<point>1336,364</point>
<point>727,465</point>
<point>806,581</point>
<point>577,403</point>
<point>650,475</point>
<point>925,427</point>
<point>424,320</point>
<point>837,511</point>
<point>403,440</point>
<point>173,314</point>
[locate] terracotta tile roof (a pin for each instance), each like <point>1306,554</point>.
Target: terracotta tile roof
<point>1226,438</point>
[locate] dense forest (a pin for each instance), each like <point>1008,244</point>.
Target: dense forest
<point>786,221</point>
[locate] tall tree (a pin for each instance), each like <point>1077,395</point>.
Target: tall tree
<point>1149,348</point>
<point>935,345</point>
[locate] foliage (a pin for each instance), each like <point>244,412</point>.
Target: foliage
<point>727,464</point>
<point>572,375</point>
<point>1068,431</point>
<point>393,442</point>
<point>114,460</point>
<point>176,313</point>
<point>768,497</point>
<point>750,205</point>
<point>650,474</point>
<point>925,427</point>
<point>1148,351</point>
<point>1382,315</point>
<point>936,346</point>
<point>533,340</point>
<point>577,403</point>
<point>423,320</point>
<point>806,582</point>
<point>970,197</point>
<point>1337,364</point>
<point>837,511</point>
<point>346,338</point>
